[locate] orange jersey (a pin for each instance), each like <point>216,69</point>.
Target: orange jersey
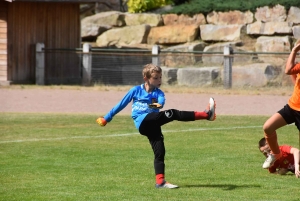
<point>294,101</point>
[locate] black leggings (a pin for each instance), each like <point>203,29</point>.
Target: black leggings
<point>151,127</point>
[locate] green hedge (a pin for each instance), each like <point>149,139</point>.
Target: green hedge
<point>205,6</point>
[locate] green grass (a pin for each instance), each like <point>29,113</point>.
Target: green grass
<point>70,157</point>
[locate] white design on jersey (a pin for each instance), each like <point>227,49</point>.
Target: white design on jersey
<point>169,113</point>
<point>138,106</point>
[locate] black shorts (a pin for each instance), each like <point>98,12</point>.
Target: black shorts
<point>151,125</point>
<point>290,115</point>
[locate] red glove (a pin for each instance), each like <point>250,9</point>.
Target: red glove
<point>101,121</point>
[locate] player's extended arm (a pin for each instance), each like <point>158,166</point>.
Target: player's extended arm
<point>102,121</point>
<point>290,64</point>
<point>296,155</point>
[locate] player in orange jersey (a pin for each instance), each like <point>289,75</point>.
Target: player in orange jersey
<point>290,113</point>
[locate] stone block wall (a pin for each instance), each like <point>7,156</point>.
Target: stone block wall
<point>268,30</point>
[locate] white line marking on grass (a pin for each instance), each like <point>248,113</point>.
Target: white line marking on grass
<point>207,129</point>
<point>67,138</point>
<point>125,134</point>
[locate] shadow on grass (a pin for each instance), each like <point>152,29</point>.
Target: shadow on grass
<point>223,186</point>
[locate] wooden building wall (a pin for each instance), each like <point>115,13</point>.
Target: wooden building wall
<point>57,25</point>
<point>3,41</point>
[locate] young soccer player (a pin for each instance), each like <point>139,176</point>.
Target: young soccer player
<point>147,99</point>
<point>289,162</point>
<point>290,113</point>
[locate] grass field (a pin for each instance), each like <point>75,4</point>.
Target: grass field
<point>70,157</point>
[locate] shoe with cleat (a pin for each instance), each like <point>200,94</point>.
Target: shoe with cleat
<point>166,185</point>
<point>271,160</point>
<point>211,109</point>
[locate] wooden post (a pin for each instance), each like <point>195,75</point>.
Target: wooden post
<point>40,64</point>
<point>227,82</point>
<point>87,64</point>
<point>155,55</point>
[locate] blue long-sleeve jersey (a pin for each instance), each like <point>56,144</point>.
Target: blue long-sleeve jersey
<point>141,98</point>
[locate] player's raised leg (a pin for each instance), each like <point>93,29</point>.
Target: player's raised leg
<point>209,113</point>
<point>271,125</point>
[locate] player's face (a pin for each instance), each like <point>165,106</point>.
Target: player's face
<point>155,80</point>
<point>265,150</point>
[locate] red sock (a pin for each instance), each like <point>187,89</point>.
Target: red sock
<point>201,115</point>
<point>160,178</point>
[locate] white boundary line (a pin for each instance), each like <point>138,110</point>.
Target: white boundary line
<point>124,134</point>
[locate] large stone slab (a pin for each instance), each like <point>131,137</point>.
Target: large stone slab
<point>271,14</point>
<point>269,28</point>
<point>210,32</point>
<point>173,34</point>
<point>94,25</point>
<point>218,57</point>
<point>143,18</point>
<point>188,47</point>
<point>90,32</point>
<point>128,35</point>
<point>197,76</point>
<point>169,75</point>
<point>174,19</point>
<point>273,44</point>
<point>175,58</point>
<point>231,17</point>
<point>256,75</point>
<point>111,18</point>
<point>296,32</point>
<point>294,15</point>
